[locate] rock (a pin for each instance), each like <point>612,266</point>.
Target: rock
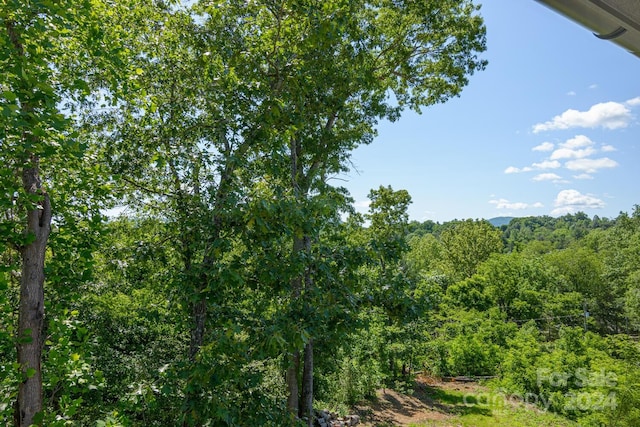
<point>325,418</point>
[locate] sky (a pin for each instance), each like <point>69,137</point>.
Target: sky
<point>550,127</point>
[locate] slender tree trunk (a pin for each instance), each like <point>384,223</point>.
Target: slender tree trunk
<point>199,306</point>
<point>303,407</point>
<point>192,418</point>
<point>31,312</point>
<point>392,366</point>
<point>199,319</point>
<point>292,383</point>
<point>198,328</point>
<point>306,409</point>
<point>293,368</point>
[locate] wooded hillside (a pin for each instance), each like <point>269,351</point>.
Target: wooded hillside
<point>239,286</point>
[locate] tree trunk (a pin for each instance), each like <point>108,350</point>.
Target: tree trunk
<point>199,306</point>
<point>31,312</point>
<point>198,326</point>
<point>199,318</point>
<point>306,409</point>
<point>392,366</point>
<point>292,383</point>
<point>302,407</point>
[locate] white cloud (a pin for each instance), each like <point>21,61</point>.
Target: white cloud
<point>571,93</point>
<point>577,141</point>
<point>506,204</point>
<point>547,164</point>
<point>547,177</point>
<point>577,153</point>
<point>583,176</point>
<point>590,165</point>
<point>593,86</point>
<point>575,148</point>
<point>609,115</point>
<point>569,153</point>
<point>634,102</point>
<point>545,146</point>
<point>563,211</point>
<point>512,169</point>
<point>569,201</point>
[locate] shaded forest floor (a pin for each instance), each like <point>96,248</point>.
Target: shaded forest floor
<point>442,404</point>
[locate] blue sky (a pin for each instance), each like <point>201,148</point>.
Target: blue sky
<point>552,126</point>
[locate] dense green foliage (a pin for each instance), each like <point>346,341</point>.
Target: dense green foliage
<point>552,319</point>
<point>239,287</point>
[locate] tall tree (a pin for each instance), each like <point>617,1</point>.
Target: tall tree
<point>467,244</point>
<point>159,145</point>
<point>388,213</point>
<point>47,52</point>
<point>330,68</point>
<point>33,48</point>
<point>180,140</point>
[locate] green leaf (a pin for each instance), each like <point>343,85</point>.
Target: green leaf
<point>9,96</point>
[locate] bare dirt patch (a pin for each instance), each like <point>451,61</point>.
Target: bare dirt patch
<point>430,401</point>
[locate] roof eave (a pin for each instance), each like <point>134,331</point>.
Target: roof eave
<point>608,20</point>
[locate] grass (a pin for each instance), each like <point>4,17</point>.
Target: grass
<point>489,409</point>
<point>433,403</point>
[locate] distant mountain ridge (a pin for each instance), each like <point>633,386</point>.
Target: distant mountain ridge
<point>499,221</point>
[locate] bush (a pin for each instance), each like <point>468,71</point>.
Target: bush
<point>582,376</point>
<point>472,345</point>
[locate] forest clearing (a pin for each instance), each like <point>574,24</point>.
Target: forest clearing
<point>437,403</point>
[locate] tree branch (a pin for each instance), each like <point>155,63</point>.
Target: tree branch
<point>146,189</point>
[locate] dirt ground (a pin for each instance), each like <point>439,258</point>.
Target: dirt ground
<point>396,409</point>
